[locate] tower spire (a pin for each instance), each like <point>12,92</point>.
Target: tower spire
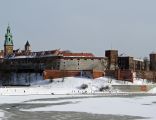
<point>8,43</point>
<point>8,29</point>
<point>27,47</point>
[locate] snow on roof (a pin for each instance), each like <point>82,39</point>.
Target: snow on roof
<point>123,55</point>
<point>22,56</point>
<point>139,59</point>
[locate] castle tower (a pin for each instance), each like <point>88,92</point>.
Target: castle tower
<point>112,59</point>
<point>27,47</point>
<point>8,43</point>
<point>153,61</point>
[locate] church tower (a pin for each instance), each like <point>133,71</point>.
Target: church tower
<point>27,47</point>
<point>8,43</point>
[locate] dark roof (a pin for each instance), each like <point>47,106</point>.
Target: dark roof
<point>27,44</point>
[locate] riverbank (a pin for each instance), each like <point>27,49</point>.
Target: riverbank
<point>73,85</point>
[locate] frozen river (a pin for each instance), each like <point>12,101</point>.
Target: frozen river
<point>77,107</point>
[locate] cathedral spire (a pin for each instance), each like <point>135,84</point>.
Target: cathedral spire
<point>8,29</point>
<point>27,47</point>
<point>8,43</point>
<point>8,37</point>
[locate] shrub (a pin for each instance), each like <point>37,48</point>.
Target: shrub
<point>104,88</point>
<point>84,86</point>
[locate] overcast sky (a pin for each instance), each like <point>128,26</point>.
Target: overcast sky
<point>81,25</point>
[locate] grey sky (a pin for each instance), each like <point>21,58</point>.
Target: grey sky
<point>81,25</point>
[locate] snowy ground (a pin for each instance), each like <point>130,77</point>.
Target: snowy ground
<point>70,85</point>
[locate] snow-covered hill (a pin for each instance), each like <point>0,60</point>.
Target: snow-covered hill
<point>70,85</point>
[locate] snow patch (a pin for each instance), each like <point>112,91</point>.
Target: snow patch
<point>152,90</point>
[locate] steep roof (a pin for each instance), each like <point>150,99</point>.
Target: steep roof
<point>27,44</point>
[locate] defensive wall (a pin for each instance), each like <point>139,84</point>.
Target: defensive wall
<point>52,74</point>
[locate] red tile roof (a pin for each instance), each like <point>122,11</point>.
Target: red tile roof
<point>78,54</point>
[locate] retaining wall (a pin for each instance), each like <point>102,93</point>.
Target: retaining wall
<point>133,88</point>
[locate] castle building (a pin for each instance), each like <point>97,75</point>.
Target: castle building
<point>8,43</point>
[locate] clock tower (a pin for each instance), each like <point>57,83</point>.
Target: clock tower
<point>8,43</point>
